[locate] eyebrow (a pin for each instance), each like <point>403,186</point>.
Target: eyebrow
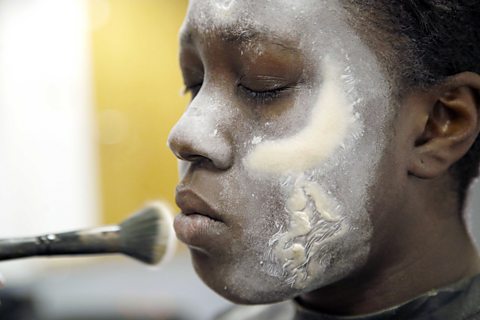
<point>243,35</point>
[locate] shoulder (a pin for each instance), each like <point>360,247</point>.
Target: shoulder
<point>279,311</point>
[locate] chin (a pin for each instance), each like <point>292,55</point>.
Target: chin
<point>242,279</point>
<point>253,296</point>
<point>257,293</point>
<point>241,283</point>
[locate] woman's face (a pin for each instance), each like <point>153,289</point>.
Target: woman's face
<point>279,146</point>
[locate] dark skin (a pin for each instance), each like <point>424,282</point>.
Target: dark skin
<point>419,237</point>
<point>435,128</point>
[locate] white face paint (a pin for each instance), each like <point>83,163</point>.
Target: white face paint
<point>288,175</point>
<point>315,217</point>
<point>331,119</point>
<point>224,4</point>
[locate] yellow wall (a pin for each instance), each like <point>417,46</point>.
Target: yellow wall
<point>137,87</point>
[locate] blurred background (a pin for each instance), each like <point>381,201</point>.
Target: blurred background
<point>89,90</point>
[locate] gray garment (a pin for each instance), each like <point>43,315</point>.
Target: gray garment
<point>460,301</point>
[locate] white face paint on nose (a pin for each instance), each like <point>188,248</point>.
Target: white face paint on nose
<point>197,136</point>
<point>331,118</point>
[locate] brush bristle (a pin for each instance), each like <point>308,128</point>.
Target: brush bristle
<point>148,235</point>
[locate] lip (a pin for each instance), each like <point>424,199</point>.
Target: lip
<point>190,202</point>
<point>198,225</point>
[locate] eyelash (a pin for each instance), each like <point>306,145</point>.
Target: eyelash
<point>262,97</point>
<point>192,90</point>
<point>259,97</point>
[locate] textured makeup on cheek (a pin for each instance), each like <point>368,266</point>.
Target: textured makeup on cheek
<point>313,216</point>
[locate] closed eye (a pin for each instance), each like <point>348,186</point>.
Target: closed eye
<point>263,96</point>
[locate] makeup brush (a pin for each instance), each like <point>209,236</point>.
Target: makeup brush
<point>146,236</point>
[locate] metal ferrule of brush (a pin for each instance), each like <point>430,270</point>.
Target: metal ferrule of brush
<point>90,241</point>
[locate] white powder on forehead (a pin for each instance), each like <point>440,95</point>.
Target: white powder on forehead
<point>330,120</point>
<point>224,4</point>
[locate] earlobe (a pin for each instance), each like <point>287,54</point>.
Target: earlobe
<point>450,128</point>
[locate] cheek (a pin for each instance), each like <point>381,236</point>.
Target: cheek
<point>330,120</point>
<point>324,227</point>
<point>321,238</point>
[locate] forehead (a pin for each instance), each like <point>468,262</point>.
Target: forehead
<point>316,29</point>
<point>286,20</point>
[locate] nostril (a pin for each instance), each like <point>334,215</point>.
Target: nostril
<point>189,154</point>
<point>180,149</point>
<point>214,161</point>
<point>194,158</point>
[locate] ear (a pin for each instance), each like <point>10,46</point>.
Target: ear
<point>446,125</point>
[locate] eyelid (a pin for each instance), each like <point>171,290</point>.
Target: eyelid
<point>266,96</point>
<point>273,89</point>
<point>192,79</point>
<point>192,71</point>
<point>188,87</point>
<point>264,83</point>
<point>192,89</point>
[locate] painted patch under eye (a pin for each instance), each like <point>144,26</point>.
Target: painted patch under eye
<point>331,118</point>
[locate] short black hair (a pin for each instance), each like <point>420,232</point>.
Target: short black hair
<point>430,40</point>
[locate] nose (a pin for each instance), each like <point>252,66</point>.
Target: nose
<point>197,137</point>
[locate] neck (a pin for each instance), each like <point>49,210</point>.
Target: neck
<point>434,251</point>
